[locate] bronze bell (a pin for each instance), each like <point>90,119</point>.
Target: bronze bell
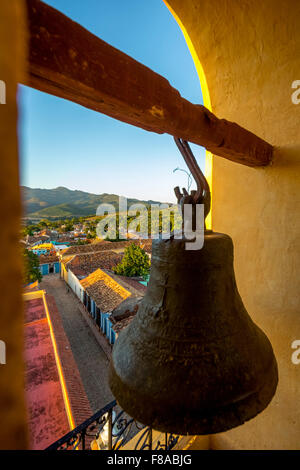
<point>192,361</point>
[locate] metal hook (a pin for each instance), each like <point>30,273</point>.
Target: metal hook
<point>202,194</point>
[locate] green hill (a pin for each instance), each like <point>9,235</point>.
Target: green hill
<point>64,202</point>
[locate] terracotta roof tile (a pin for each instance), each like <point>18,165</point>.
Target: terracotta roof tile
<point>91,248</point>
<point>133,283</point>
<point>47,418</point>
<point>90,262</point>
<point>135,287</point>
<point>51,258</point>
<point>104,290</point>
<point>106,245</point>
<point>146,245</point>
<point>66,259</point>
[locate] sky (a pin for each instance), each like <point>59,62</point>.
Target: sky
<point>65,144</point>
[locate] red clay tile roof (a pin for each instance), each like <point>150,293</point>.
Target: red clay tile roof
<point>91,248</point>
<point>51,258</point>
<point>47,416</point>
<point>79,403</point>
<point>146,245</point>
<point>46,408</point>
<point>104,290</point>
<point>67,239</point>
<point>133,284</point>
<point>66,259</point>
<point>35,238</point>
<point>105,298</point>
<point>34,310</point>
<point>80,273</point>
<point>135,287</point>
<point>103,242</point>
<point>105,245</point>
<point>90,262</point>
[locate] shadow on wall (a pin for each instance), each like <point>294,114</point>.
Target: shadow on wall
<point>288,156</point>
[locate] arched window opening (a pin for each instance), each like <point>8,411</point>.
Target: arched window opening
<point>66,145</point>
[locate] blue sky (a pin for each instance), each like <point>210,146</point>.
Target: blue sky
<point>64,144</point>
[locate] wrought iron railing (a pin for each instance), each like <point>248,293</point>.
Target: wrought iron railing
<point>110,429</point>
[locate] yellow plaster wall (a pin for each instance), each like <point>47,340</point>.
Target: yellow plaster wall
<point>13,428</point>
<point>250,53</point>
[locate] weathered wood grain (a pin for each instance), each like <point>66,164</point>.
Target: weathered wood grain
<point>68,61</point>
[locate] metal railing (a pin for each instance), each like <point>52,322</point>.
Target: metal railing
<point>110,429</point>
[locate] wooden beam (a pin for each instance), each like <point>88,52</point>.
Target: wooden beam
<point>68,61</point>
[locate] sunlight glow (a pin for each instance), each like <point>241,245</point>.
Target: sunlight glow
<point>59,368</point>
<point>206,100</point>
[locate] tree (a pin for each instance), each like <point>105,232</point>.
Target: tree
<point>81,242</point>
<point>91,235</point>
<point>31,267</point>
<point>44,223</point>
<point>135,262</point>
<point>30,229</point>
<point>69,226</point>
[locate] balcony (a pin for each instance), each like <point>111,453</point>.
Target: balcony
<point>112,429</point>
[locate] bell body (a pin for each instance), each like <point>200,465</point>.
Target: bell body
<point>192,361</point>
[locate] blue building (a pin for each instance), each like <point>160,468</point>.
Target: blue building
<point>101,295</point>
<point>49,264</point>
<point>49,268</point>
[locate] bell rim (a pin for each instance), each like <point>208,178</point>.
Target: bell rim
<point>217,420</point>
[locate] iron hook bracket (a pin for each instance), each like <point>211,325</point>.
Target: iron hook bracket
<point>202,194</point>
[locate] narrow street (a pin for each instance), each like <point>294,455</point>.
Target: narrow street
<point>91,361</point>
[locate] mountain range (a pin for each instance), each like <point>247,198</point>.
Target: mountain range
<point>63,202</point>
